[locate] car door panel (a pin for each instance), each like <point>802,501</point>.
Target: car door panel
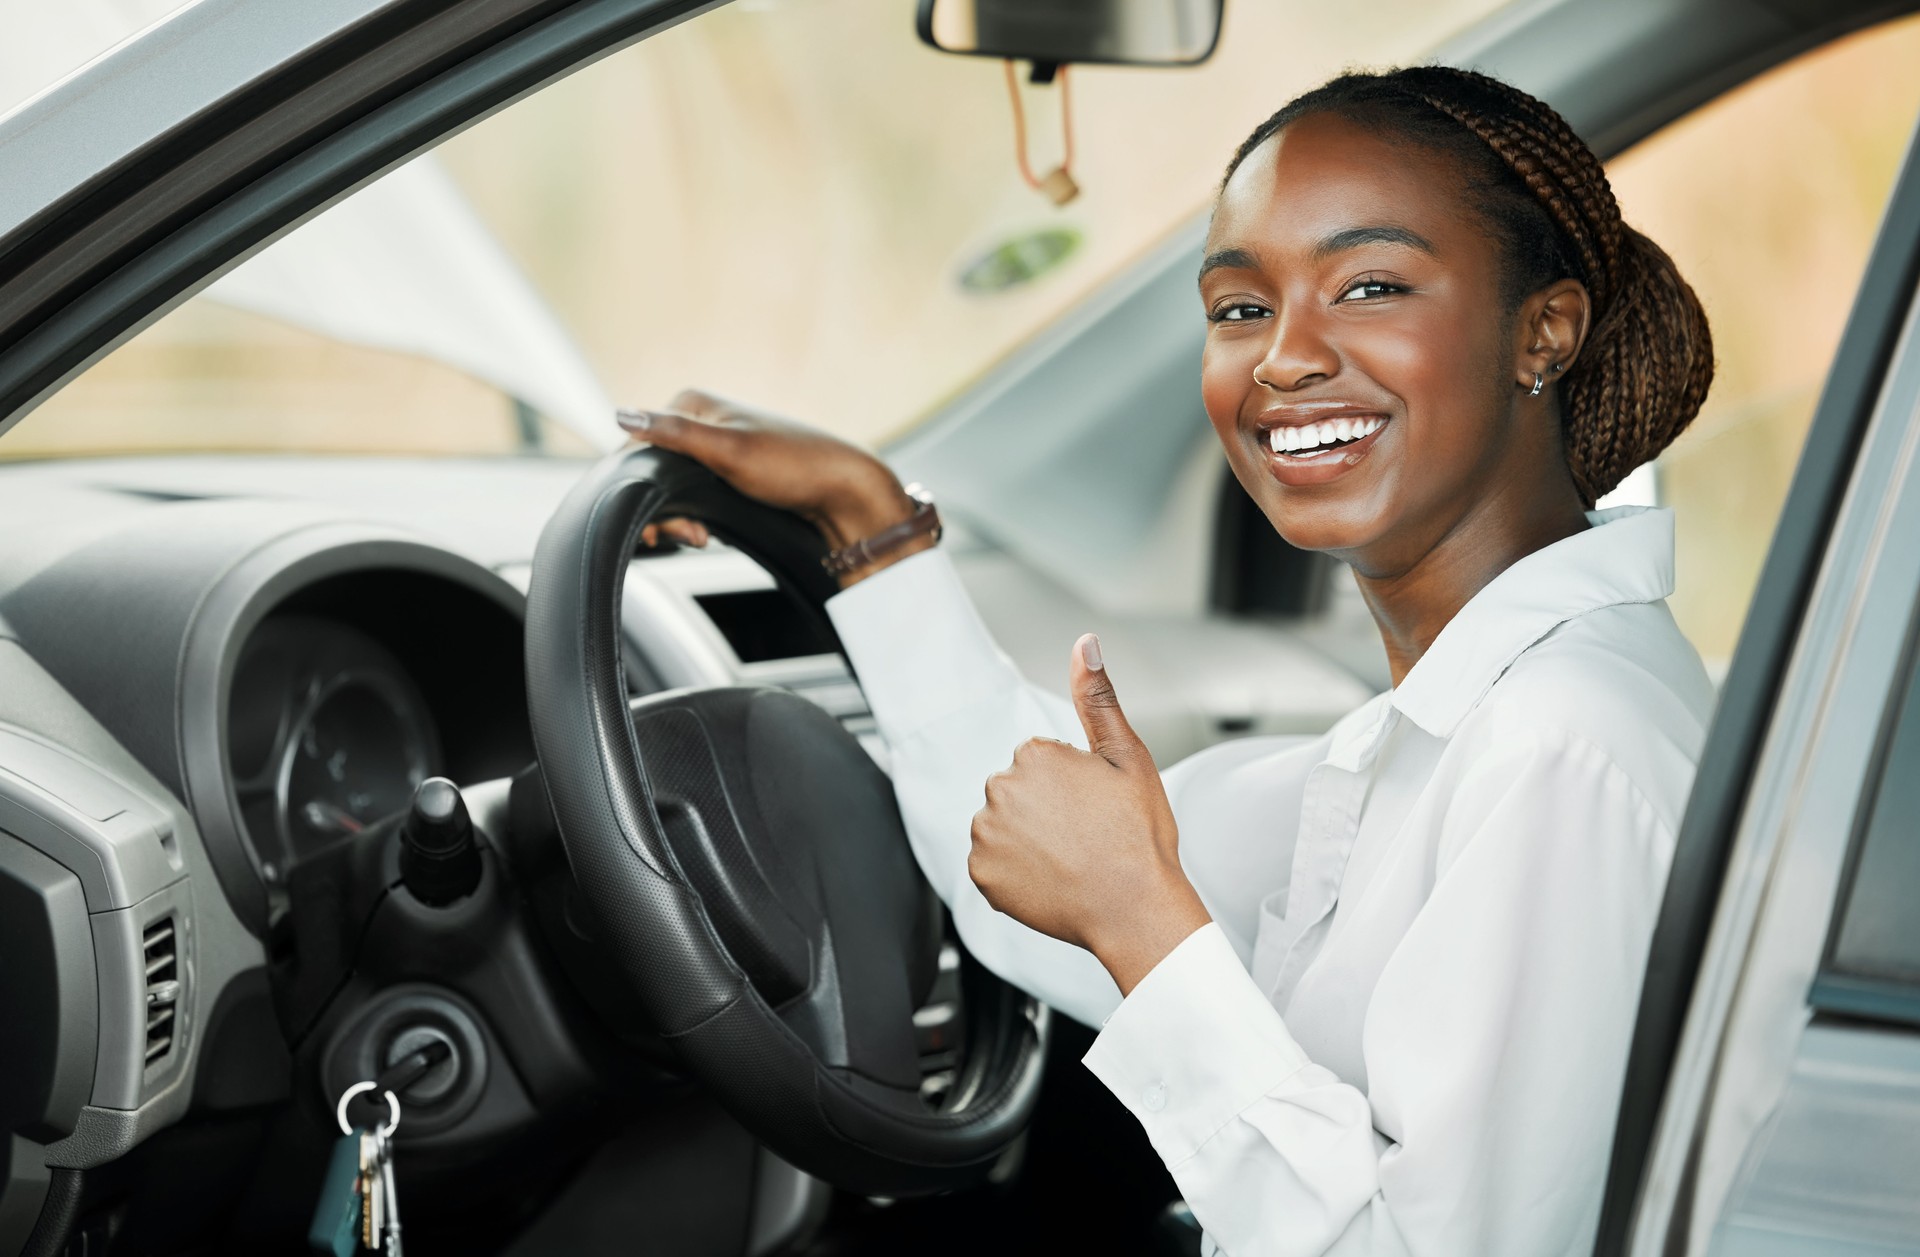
<point>1762,847</point>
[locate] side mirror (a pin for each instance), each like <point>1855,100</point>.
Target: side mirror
<point>1058,32</point>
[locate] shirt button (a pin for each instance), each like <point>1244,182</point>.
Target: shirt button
<point>1153,1097</point>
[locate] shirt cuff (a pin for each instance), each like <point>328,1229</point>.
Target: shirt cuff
<point>917,644</point>
<point>1193,1045</point>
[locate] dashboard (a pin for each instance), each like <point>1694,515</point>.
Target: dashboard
<point>215,672</point>
<point>715,617</point>
<point>351,691</point>
<point>327,734</point>
<point>203,689</point>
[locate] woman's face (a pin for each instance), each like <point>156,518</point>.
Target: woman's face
<point>1355,314</point>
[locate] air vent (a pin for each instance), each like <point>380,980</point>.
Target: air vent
<point>161,948</point>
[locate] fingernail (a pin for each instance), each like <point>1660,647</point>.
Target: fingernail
<point>634,420</point>
<point>1090,653</point>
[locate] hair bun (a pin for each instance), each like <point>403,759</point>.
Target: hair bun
<point>1644,372</point>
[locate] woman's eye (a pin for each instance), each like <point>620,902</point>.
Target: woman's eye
<point>1369,288</point>
<point>1239,313</point>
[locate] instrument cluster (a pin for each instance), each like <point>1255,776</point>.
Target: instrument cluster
<point>326,734</point>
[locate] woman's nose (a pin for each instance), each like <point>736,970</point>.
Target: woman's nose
<point>1297,355</point>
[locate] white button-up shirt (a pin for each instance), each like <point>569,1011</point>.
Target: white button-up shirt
<point>1407,1027</point>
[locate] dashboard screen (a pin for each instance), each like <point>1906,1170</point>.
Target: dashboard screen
<point>763,624</point>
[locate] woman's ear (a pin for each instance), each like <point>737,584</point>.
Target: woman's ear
<point>1553,327</point>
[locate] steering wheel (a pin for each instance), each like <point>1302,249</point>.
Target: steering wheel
<point>745,859</point>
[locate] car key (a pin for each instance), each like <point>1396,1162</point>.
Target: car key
<point>370,1213</point>
<point>335,1229</point>
<point>414,1066</point>
<point>359,1182</point>
<point>389,1203</point>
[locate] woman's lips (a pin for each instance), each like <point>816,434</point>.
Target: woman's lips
<point>1314,453</point>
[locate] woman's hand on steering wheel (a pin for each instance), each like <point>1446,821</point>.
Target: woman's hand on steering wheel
<point>841,489</point>
<point>778,934</point>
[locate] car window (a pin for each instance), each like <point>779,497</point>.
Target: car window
<point>1873,956</point>
<point>215,377</point>
<point>1768,199</point>
<point>794,202</point>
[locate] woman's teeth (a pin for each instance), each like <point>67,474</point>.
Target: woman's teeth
<point>1311,437</point>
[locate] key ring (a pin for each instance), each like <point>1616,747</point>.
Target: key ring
<point>361,1088</point>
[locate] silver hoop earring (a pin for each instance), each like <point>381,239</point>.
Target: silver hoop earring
<point>1539,382</point>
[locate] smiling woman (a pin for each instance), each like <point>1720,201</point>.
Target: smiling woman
<point>1343,984</point>
<point>1595,308</point>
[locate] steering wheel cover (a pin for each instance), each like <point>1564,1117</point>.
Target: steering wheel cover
<point>825,1120</point>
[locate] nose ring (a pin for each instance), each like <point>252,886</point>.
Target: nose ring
<point>1539,382</point>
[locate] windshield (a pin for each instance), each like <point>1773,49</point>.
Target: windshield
<point>793,201</point>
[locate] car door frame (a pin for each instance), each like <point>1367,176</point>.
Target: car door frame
<point>1753,862</point>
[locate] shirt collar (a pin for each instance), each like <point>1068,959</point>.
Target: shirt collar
<point>1625,557</point>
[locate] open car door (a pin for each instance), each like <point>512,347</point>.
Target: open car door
<point>1772,1101</point>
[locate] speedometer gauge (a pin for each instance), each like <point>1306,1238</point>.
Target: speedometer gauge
<point>327,734</point>
<point>355,755</point>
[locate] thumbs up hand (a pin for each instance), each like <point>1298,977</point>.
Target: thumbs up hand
<point>1082,845</point>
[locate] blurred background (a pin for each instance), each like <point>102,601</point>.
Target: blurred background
<point>797,203</point>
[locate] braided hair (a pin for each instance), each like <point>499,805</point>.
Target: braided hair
<point>1649,355</point>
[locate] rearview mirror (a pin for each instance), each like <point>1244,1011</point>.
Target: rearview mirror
<point>1059,32</point>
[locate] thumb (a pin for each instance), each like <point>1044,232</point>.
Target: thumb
<point>1108,734</point>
